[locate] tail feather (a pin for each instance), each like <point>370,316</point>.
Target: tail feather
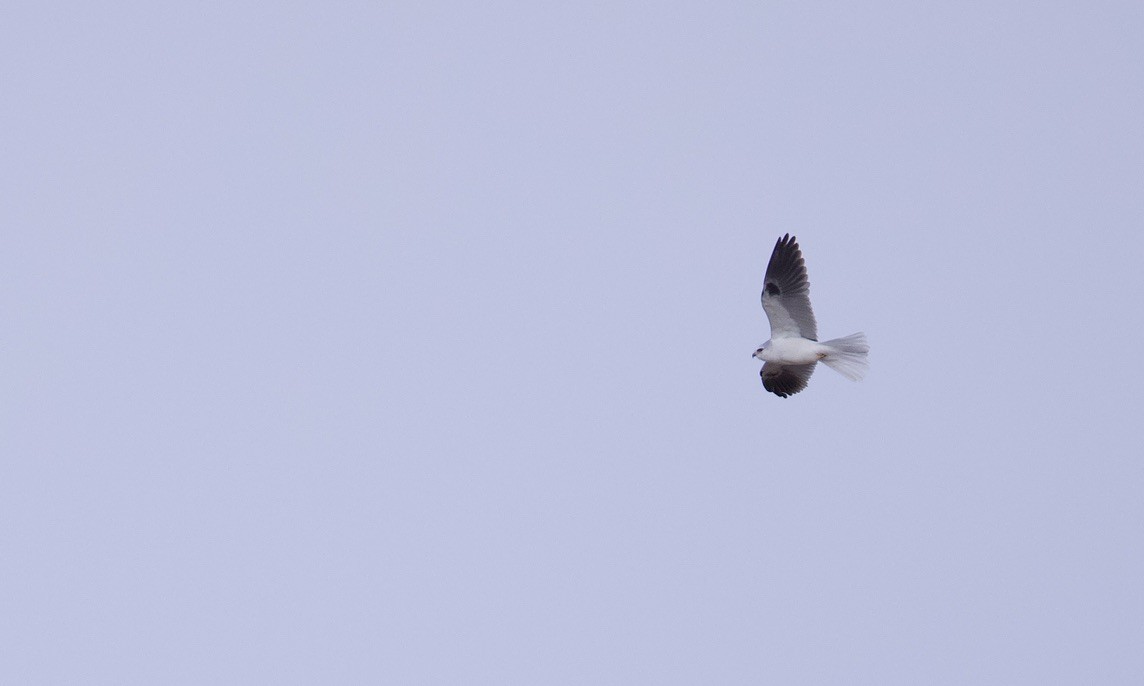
<point>847,356</point>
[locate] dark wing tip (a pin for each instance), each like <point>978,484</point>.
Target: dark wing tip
<point>783,385</point>
<point>774,386</point>
<point>785,381</point>
<point>786,270</point>
<point>786,247</point>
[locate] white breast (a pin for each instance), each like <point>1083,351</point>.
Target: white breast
<point>794,351</point>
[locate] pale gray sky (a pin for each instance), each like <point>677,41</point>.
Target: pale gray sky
<point>409,343</point>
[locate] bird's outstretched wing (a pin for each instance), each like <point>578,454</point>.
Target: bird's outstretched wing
<point>784,380</point>
<point>786,293</point>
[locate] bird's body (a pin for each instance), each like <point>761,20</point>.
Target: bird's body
<point>794,350</point>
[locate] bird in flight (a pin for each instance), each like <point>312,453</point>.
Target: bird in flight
<point>789,357</point>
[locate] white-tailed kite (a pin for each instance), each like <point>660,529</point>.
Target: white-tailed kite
<point>789,357</point>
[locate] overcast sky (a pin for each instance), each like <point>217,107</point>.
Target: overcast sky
<point>410,343</point>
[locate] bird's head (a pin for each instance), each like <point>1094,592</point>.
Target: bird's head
<point>759,353</point>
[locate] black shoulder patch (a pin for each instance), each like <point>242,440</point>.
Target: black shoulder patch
<point>773,289</point>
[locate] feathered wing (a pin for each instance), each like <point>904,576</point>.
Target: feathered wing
<point>786,293</point>
<point>784,380</point>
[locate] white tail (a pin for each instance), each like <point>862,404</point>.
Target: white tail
<point>847,356</point>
